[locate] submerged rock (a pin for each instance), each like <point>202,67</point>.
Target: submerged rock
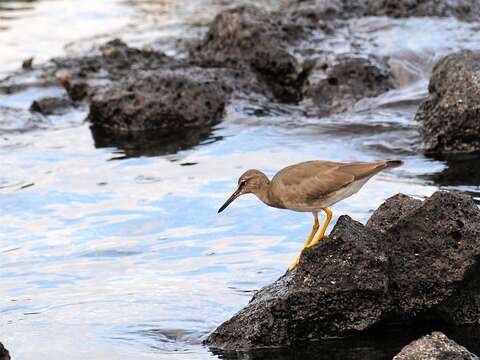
<point>411,260</point>
<point>336,85</point>
<point>449,117</point>
<point>50,105</point>
<point>434,347</point>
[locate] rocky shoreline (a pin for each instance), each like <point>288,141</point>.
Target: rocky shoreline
<point>262,58</point>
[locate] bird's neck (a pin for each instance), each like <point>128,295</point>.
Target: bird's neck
<point>264,193</point>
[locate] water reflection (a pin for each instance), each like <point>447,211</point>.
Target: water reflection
<point>152,143</point>
<point>460,170</point>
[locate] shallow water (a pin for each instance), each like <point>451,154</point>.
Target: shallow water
<point>113,252</point>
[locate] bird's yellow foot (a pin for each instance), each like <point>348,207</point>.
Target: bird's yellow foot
<point>297,260</point>
<point>295,263</point>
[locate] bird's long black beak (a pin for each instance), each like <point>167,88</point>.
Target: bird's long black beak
<point>236,194</point>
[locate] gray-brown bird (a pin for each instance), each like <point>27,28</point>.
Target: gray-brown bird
<point>309,186</point>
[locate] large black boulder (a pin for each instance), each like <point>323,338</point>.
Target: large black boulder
<point>450,116</point>
<point>170,101</point>
<point>412,261</point>
<point>249,37</point>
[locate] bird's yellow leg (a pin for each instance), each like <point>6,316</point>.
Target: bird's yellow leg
<point>316,225</point>
<point>321,235</point>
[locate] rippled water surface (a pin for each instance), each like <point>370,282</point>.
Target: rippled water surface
<point>119,253</point>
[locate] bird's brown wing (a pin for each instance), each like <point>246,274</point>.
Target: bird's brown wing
<point>362,170</point>
<point>309,181</point>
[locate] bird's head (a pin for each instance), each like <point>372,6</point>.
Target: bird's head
<point>251,181</point>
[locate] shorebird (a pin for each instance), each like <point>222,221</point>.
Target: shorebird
<point>309,186</point>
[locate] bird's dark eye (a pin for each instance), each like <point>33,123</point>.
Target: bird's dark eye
<point>242,183</point>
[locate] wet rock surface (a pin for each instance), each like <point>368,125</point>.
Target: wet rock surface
<point>337,84</point>
<point>449,116</point>
<point>412,261</point>
<point>468,10</point>
<point>51,105</point>
<point>435,346</point>
<point>250,37</point>
<point>171,102</point>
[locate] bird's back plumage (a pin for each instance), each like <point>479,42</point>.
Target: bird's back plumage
<point>313,185</point>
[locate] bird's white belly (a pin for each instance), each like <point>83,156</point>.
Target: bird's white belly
<point>335,196</point>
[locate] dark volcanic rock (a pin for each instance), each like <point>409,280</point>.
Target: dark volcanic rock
<point>432,250</point>
<point>169,101</point>
<point>391,211</point>
<point>461,9</point>
<point>434,347</point>
<point>335,86</point>
<point>449,118</point>
<point>340,287</point>
<point>50,105</point>
<point>414,260</point>
<point>468,10</point>
<point>250,37</point>
<point>4,354</point>
<point>115,61</point>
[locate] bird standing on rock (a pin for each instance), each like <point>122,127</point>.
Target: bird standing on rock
<point>309,186</point>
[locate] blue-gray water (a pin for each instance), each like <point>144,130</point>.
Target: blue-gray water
<point>108,256</point>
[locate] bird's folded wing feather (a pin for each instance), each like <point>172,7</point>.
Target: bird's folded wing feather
<point>309,181</point>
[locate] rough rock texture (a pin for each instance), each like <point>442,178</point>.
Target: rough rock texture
<point>170,101</point>
<point>4,354</point>
<point>434,347</point>
<point>413,260</point>
<point>115,61</point>
<point>450,116</point>
<point>335,86</point>
<point>468,10</point>
<point>461,9</point>
<point>340,287</point>
<point>249,36</point>
<point>388,214</point>
<point>50,105</point>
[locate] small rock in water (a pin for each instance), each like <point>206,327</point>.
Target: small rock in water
<point>435,346</point>
<point>51,105</point>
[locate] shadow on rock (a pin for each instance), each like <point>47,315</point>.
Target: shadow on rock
<point>151,143</point>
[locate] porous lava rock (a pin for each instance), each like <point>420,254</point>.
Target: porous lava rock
<point>412,261</point>
<point>170,101</point>
<point>335,85</point>
<point>435,346</point>
<point>340,286</point>
<point>467,10</point>
<point>247,36</point>
<point>450,116</point>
